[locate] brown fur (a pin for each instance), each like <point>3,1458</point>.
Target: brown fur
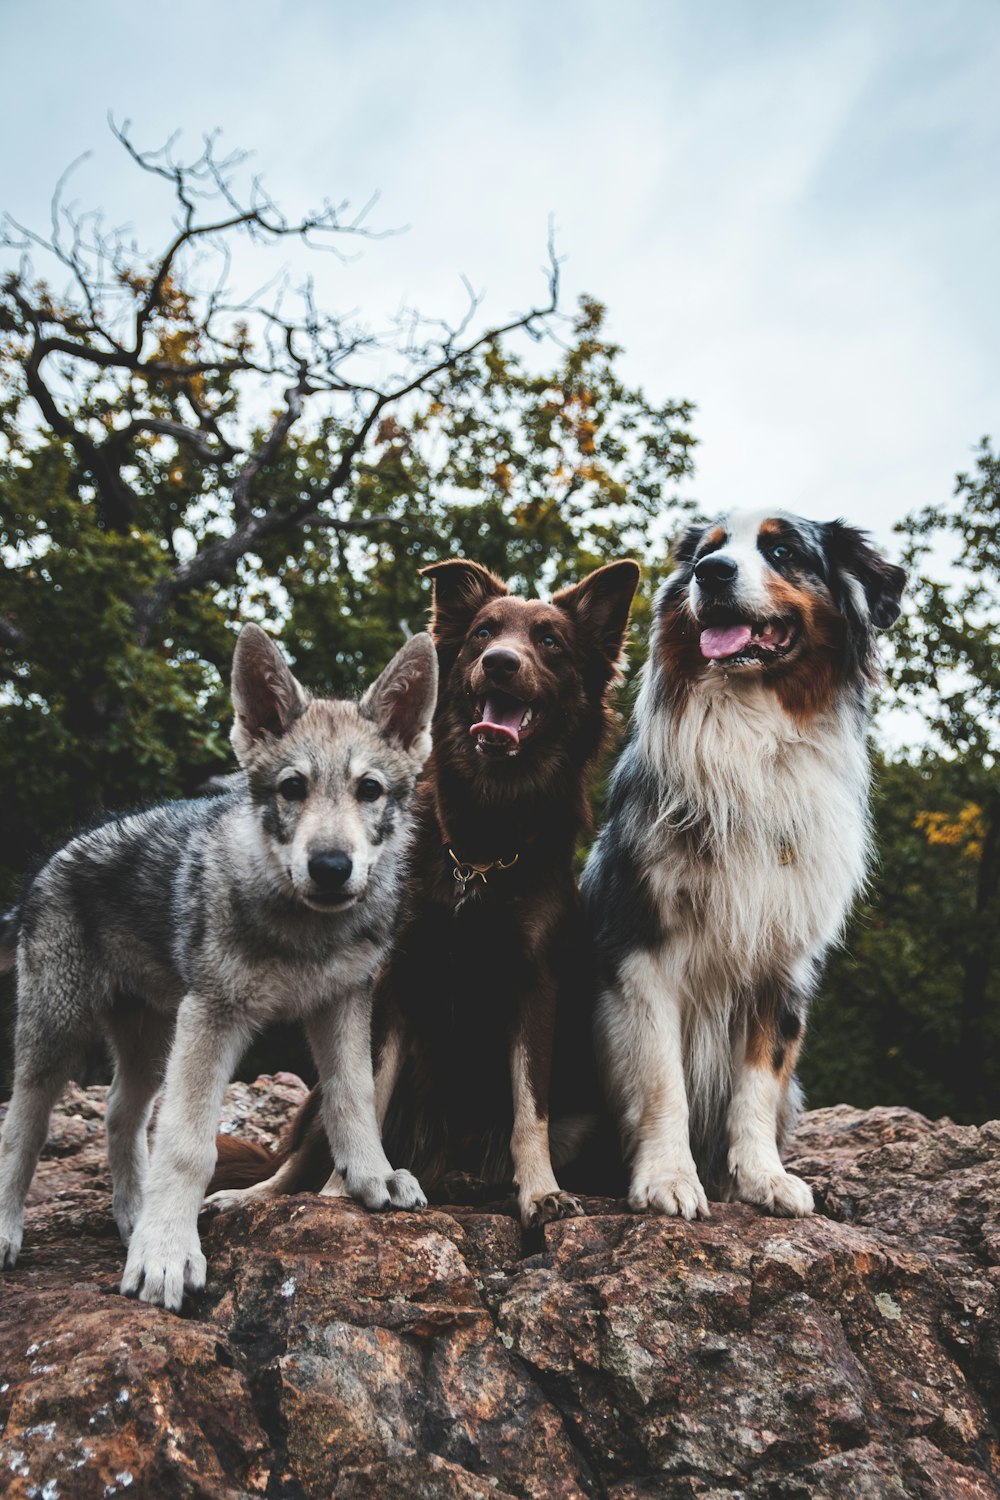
<point>476,977</point>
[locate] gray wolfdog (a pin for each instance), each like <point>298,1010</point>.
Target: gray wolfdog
<point>278,898</point>
<point>736,839</point>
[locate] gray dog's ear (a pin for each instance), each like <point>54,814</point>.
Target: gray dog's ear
<point>401,701</point>
<point>266,697</point>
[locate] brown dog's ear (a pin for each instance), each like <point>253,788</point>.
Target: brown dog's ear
<point>460,591</point>
<point>266,697</point>
<point>600,605</point>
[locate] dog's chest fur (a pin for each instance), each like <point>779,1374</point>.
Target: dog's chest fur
<point>756,842</point>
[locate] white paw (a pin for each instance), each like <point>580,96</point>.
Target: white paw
<point>11,1232</point>
<point>163,1262</point>
<point>542,1208</point>
<point>673,1188</point>
<point>776,1190</point>
<point>229,1198</point>
<point>397,1190</point>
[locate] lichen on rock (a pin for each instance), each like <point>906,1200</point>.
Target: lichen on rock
<point>443,1354</point>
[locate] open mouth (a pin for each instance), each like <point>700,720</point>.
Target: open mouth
<point>739,642</point>
<point>503,723</point>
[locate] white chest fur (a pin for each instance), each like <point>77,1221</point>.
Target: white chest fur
<point>761,839</point>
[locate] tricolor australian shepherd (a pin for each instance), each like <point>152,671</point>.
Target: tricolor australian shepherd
<point>736,839</point>
<point>491,938</point>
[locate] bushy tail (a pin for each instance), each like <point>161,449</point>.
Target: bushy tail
<point>240,1164</point>
<point>10,926</point>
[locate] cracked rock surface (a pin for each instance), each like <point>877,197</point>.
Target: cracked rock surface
<point>444,1355</point>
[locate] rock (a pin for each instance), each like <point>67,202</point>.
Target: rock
<point>444,1355</point>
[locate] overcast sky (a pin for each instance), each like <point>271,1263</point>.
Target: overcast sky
<point>791,207</point>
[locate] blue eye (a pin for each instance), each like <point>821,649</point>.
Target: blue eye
<point>483,633</point>
<point>781,553</point>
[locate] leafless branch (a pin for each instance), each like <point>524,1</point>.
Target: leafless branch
<point>169,358</point>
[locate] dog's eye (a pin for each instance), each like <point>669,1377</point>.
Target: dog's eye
<point>781,553</point>
<point>293,789</point>
<point>483,633</point>
<point>549,640</point>
<point>369,790</point>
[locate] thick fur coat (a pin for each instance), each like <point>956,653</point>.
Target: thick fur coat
<point>491,942</point>
<point>180,931</point>
<point>736,838</point>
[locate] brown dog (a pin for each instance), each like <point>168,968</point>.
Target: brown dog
<point>491,937</point>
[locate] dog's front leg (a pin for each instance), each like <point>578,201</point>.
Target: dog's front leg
<point>639,1041</point>
<point>762,1078</point>
<point>164,1254</point>
<point>539,1196</point>
<point>340,1038</point>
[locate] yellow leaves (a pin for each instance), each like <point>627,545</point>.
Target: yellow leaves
<point>503,478</point>
<point>390,434</point>
<point>585,436</point>
<point>964,831</point>
<point>134,281</point>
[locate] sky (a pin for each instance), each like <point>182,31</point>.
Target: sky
<point>790,207</point>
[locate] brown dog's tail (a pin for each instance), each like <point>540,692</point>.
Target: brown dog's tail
<point>240,1164</point>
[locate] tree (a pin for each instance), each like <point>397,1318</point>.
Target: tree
<point>949,664</point>
<point>910,1011</point>
<point>174,460</point>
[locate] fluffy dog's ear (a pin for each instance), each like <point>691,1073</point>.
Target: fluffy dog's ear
<point>882,581</point>
<point>401,701</point>
<point>460,591</point>
<point>600,606</point>
<point>266,697</point>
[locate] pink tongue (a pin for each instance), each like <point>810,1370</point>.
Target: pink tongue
<point>500,723</point>
<point>724,640</point>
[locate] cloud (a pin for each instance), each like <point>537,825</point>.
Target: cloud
<point>789,209</point>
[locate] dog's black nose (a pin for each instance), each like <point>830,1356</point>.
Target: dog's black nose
<point>715,572</point>
<point>499,664</point>
<point>330,869</point>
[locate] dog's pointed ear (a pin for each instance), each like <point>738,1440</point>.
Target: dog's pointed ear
<point>460,590</point>
<point>401,701</point>
<point>882,581</point>
<point>600,604</point>
<point>266,697</point>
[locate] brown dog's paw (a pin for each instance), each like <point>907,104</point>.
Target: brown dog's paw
<point>542,1208</point>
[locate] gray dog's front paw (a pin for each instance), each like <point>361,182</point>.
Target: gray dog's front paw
<point>11,1230</point>
<point>163,1262</point>
<point>399,1190</point>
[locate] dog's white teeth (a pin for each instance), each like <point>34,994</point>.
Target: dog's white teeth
<point>529,714</point>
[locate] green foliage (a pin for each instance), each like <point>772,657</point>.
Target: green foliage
<point>947,661</point>
<point>911,1007</point>
<point>541,474</point>
<point>886,1027</point>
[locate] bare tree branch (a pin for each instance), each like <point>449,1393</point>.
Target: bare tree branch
<point>168,357</point>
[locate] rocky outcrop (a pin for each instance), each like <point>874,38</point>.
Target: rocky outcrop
<point>443,1355</point>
